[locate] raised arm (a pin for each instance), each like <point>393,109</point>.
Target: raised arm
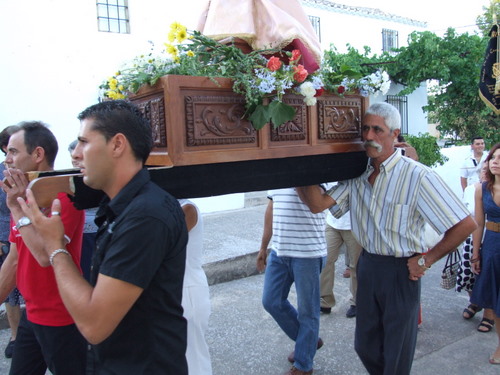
<point>98,310</point>
<point>15,187</point>
<point>315,198</point>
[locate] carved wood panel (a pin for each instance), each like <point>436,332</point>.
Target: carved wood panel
<point>296,129</point>
<point>217,120</point>
<point>154,110</point>
<point>339,118</point>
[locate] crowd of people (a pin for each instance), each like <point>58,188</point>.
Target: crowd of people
<point>379,217</point>
<point>123,291</point>
<point>141,305</point>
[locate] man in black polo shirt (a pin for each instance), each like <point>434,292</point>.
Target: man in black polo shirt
<point>131,311</point>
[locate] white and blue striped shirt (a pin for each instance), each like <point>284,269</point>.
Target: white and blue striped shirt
<point>388,218</point>
<point>297,232</point>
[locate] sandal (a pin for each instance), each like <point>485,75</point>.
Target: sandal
<point>494,361</point>
<point>487,324</point>
<point>470,311</point>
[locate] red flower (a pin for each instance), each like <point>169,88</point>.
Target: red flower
<point>296,55</point>
<point>319,92</point>
<point>273,64</point>
<point>300,73</point>
<point>340,89</point>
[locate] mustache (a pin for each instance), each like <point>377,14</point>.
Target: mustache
<point>374,144</point>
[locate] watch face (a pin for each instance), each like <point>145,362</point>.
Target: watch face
<point>421,261</point>
<point>24,221</point>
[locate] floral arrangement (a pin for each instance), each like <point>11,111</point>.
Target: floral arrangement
<point>258,75</point>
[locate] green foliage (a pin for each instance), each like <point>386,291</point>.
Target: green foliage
<point>453,62</point>
<point>276,112</point>
<point>358,63</point>
<point>351,71</point>
<point>427,149</point>
<point>487,19</point>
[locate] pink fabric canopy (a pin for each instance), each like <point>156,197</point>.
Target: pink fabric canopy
<point>263,24</point>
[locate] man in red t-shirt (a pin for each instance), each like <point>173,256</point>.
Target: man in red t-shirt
<point>47,335</point>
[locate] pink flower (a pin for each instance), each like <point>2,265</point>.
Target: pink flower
<point>296,55</point>
<point>300,73</point>
<point>273,64</point>
<point>340,89</point>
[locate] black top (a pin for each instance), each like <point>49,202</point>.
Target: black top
<point>142,240</point>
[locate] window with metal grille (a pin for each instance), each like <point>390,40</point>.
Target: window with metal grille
<point>389,40</point>
<point>315,22</point>
<point>401,103</point>
<point>112,16</point>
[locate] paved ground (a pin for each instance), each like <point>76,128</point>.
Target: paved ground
<point>245,340</point>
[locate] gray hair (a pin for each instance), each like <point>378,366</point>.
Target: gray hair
<point>72,146</point>
<point>388,112</point>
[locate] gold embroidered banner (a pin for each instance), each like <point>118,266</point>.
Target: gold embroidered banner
<point>489,84</point>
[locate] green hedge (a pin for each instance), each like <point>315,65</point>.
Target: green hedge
<point>427,149</point>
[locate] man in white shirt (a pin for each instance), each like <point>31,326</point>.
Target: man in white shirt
<point>471,167</point>
<point>296,237</point>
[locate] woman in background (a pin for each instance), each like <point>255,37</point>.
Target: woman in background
<point>486,250</point>
<point>195,294</point>
<point>465,275</point>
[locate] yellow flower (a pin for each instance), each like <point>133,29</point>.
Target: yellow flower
<point>121,88</point>
<point>177,59</point>
<point>112,82</point>
<point>190,53</point>
<point>171,36</point>
<point>114,95</point>
<point>111,94</point>
<point>118,73</point>
<point>175,26</point>
<point>181,34</point>
<point>171,49</point>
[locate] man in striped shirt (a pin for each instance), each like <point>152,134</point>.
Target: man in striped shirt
<point>389,204</point>
<point>298,252</point>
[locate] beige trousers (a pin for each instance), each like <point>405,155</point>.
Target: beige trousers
<point>334,240</point>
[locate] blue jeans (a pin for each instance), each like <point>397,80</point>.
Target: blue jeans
<point>301,324</point>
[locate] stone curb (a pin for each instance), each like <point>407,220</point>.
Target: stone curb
<point>231,269</point>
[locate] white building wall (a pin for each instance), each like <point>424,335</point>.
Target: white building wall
<point>54,58</point>
<point>360,27</point>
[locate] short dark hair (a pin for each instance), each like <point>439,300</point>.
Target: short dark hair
<point>37,134</point>
<point>475,138</point>
<point>5,136</point>
<point>119,116</point>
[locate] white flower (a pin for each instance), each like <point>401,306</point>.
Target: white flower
<point>310,100</point>
<point>307,89</point>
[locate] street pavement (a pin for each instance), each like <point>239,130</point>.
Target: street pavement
<point>245,340</point>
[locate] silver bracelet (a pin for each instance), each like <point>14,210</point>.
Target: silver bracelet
<point>55,252</point>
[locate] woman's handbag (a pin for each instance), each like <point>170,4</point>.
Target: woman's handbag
<point>450,270</point>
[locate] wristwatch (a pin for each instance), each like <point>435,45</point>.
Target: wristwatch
<point>421,262</point>
<point>24,221</point>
